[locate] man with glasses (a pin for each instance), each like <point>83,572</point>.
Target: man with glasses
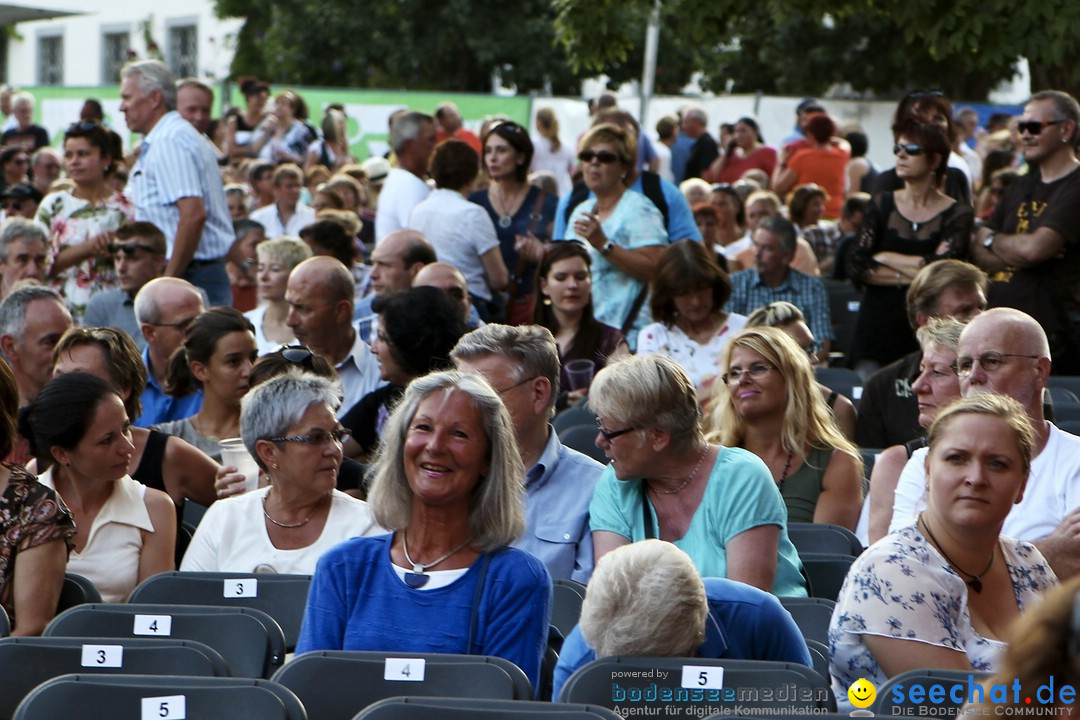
<point>138,251</point>
<point>522,365</point>
<point>1030,247</point>
<point>165,307</point>
<point>24,253</point>
<point>1006,351</point>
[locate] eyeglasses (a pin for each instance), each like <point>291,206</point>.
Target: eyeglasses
<point>318,438</point>
<point>11,205</point>
<point>20,161</point>
<point>1035,127</point>
<point>130,250</point>
<point>515,385</point>
<point>182,325</point>
<point>988,361</point>
<point>610,435</point>
<point>754,371</point>
<point>910,149</point>
<point>604,156</point>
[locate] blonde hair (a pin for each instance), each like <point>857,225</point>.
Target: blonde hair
<point>807,422</point>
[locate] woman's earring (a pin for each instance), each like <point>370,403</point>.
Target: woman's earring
<point>547,300</point>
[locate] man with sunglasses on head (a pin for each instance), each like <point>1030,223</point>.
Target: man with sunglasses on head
<point>1030,247</point>
<point>138,252</point>
<point>1006,351</point>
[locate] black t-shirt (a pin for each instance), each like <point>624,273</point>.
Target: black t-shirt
<point>30,139</point>
<point>702,154</point>
<point>888,410</point>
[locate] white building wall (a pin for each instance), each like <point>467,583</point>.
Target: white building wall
<point>83,37</point>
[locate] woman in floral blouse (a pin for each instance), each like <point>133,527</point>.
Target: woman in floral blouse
<point>81,221</point>
<point>944,591</point>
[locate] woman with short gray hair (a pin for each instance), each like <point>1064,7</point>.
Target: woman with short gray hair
<point>449,483</point>
<point>665,481</point>
<point>290,428</point>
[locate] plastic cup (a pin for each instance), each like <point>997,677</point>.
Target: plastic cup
<point>234,453</point>
<point>580,373</point>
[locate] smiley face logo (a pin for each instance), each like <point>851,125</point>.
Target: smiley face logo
<point>861,693</point>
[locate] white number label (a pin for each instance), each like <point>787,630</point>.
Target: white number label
<point>106,656</point>
<point>856,393</point>
<point>160,625</point>
<point>700,676</point>
<point>404,669</point>
<point>171,707</point>
<point>241,587</point>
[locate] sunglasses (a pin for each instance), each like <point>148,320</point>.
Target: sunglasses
<point>129,250</point>
<point>604,156</point>
<point>11,205</point>
<point>83,126</point>
<point>298,355</point>
<point>909,149</point>
<point>1035,127</point>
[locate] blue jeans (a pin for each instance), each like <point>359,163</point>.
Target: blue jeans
<point>211,277</point>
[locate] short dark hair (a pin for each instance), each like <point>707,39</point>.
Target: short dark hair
<point>200,341</point>
<point>332,236</point>
<point>454,165</point>
<point>683,267</point>
<point>147,231</point>
<point>783,230</point>
<point>106,141</point>
<point>422,325</point>
<point>519,139</point>
<point>820,127</point>
<point>800,198</point>
<point>933,141</point>
<point>61,413</point>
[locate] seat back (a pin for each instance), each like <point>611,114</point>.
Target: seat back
<point>578,414</point>
<point>135,697</point>
<point>5,623</point>
<point>886,703</point>
<point>249,640</point>
<point>565,607</point>
<point>812,617</point>
<point>423,708</point>
<point>844,302</point>
<point>583,439</point>
<point>359,678</point>
<point>824,538</point>
<point>843,380</point>
<point>30,661</point>
<point>282,597</point>
<point>819,656</point>
<point>76,590</point>
<point>827,572</point>
<point>693,687</point>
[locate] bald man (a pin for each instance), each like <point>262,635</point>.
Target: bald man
<point>451,281</point>
<point>320,298</point>
<point>164,308</point>
<point>1006,351</point>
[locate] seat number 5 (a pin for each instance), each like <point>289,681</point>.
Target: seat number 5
<point>703,677</point>
<point>171,707</point>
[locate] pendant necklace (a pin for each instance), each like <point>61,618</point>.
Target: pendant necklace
<point>418,578</point>
<point>976,579</point>
<point>505,218</point>
<point>787,468</point>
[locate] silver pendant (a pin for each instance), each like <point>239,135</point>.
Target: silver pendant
<point>505,221</point>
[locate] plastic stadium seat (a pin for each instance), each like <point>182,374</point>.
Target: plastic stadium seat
<point>422,708</point>
<point>77,590</point>
<point>250,640</point>
<point>826,572</point>
<point>578,414</point>
<point>565,607</point>
<point>136,697</point>
<point>823,538</point>
<point>812,615</point>
<point>358,679</point>
<point>282,597</point>
<point>583,439</point>
<point>5,623</point>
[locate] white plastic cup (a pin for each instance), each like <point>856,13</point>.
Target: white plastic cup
<point>233,452</point>
<point>580,373</point>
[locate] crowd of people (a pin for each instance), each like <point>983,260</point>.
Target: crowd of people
<point>386,342</point>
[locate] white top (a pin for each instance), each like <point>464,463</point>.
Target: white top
<point>232,536</point>
<point>460,231</point>
<point>401,192</point>
<point>699,361</point>
<point>731,252</point>
<point>1053,489</point>
<point>559,163</point>
<point>268,217</point>
<point>359,373</point>
<point>663,154</point>
<point>110,558</point>
<point>264,345</point>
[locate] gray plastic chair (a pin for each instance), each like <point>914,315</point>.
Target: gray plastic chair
<point>423,708</point>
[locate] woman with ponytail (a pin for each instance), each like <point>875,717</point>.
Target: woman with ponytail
<point>216,356</point>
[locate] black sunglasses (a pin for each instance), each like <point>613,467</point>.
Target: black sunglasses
<point>298,355</point>
<point>1035,127</point>
<point>83,126</point>
<point>129,250</point>
<point>604,156</point>
<point>910,149</point>
<point>15,205</point>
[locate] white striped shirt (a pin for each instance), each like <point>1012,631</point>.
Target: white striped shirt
<point>177,162</point>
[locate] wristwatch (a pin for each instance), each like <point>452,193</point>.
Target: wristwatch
<point>608,247</point>
<point>988,243</point>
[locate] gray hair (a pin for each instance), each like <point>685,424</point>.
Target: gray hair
<point>271,408</point>
<point>286,249</point>
<point>696,113</point>
<point>17,228</point>
<point>943,331</point>
<point>407,127</point>
<point>783,230</point>
<point>13,308</point>
<point>645,598</point>
<point>22,98</point>
<point>776,314</point>
<point>497,515</point>
<point>530,348</point>
<point>1065,106</point>
<point>649,391</point>
<point>153,75</point>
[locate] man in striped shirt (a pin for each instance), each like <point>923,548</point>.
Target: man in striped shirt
<point>175,183</point>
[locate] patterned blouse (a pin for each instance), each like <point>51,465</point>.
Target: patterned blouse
<point>30,515</point>
<point>72,221</point>
<point>902,587</point>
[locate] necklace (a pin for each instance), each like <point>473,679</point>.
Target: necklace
<point>506,218</point>
<point>418,578</point>
<point>689,477</point>
<point>976,579</point>
<point>288,526</point>
<point>787,468</point>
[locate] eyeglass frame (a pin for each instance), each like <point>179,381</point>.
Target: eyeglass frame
<point>1030,125</point>
<point>129,249</point>
<point>610,435</point>
<point>730,379</point>
<point>995,356</point>
<point>337,435</point>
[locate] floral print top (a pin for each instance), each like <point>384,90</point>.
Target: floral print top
<point>902,587</point>
<point>699,361</point>
<point>72,221</point>
<point>30,515</point>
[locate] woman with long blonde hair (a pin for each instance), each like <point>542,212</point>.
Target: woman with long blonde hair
<point>769,403</point>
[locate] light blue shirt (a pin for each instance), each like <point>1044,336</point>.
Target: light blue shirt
<point>178,162</point>
<point>741,495</point>
<point>558,489</point>
<point>680,222</point>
